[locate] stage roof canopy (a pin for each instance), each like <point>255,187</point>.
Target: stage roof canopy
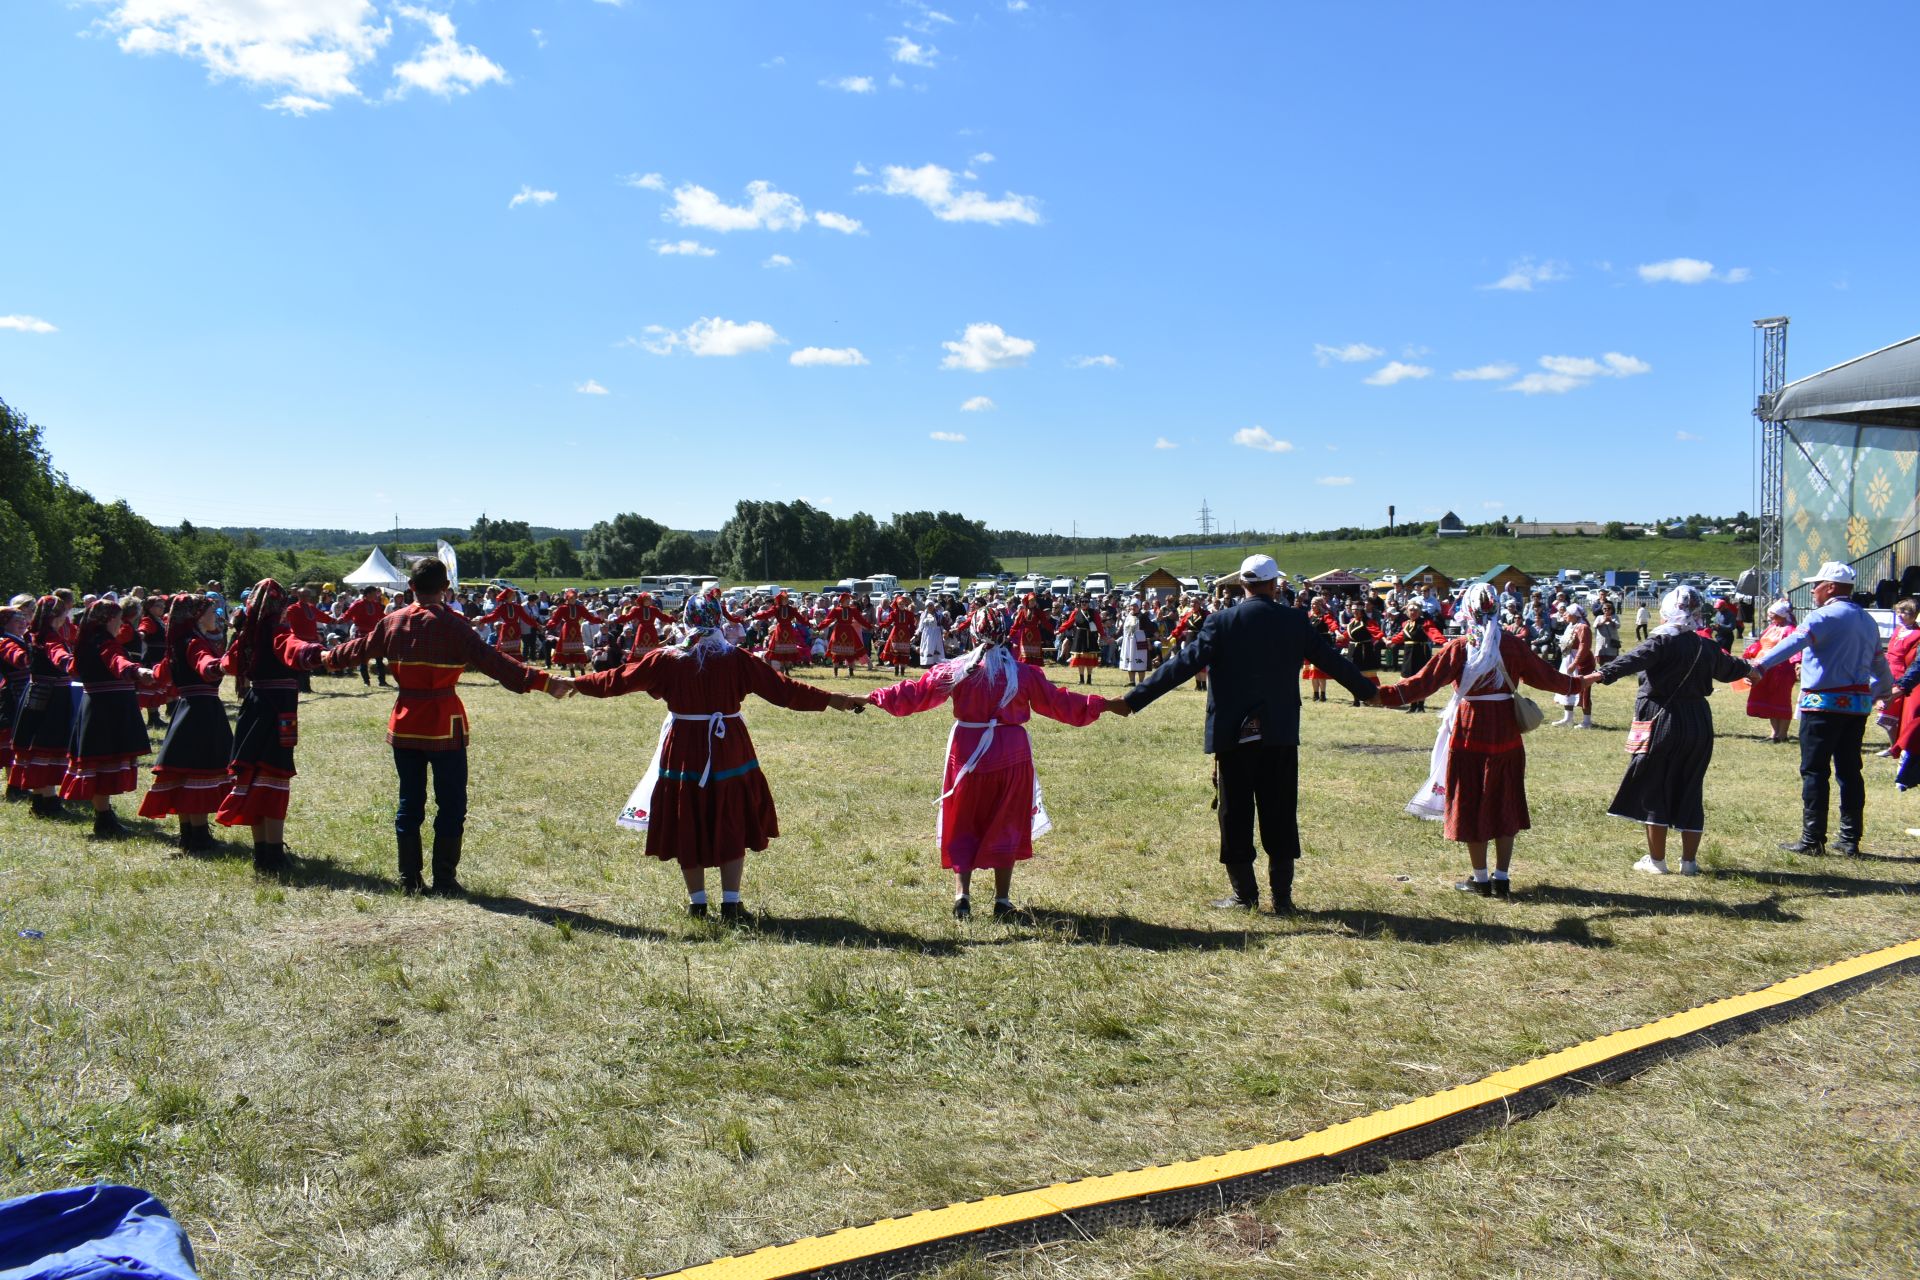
<point>1881,388</point>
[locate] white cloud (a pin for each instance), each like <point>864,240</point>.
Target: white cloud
<point>295,104</point>
<point>311,50</point>
<point>933,186</point>
<point>1526,273</point>
<point>445,67</point>
<point>1016,6</point>
<point>850,84</point>
<point>978,404</point>
<point>767,208</point>
<point>687,248</point>
<point>1262,439</point>
<point>860,170</point>
<point>845,357</point>
<point>986,346</point>
<point>838,222</point>
<point>1685,435</point>
<point>981,158</point>
<point>1161,442</point>
<point>539,38</point>
<point>530,196</point>
<point>26,324</point>
<point>1095,362</point>
<point>1566,373</point>
<point>711,336</point>
<point>1334,481</point>
<point>895,82</point>
<point>1690,271</point>
<point>777,60</point>
<point>914,55</point>
<point>1486,373</point>
<point>778,260</point>
<point>591,388</point>
<point>947,437</point>
<point>645,181</point>
<point>1396,371</point>
<point>1352,353</point>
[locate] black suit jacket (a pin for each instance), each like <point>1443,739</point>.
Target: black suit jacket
<point>1252,655</point>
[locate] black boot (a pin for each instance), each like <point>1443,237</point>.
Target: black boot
<point>446,865</point>
<point>269,857</point>
<point>1484,888</point>
<point>16,794</point>
<point>1812,841</point>
<point>48,807</point>
<point>1246,889</point>
<point>1851,827</point>
<point>106,826</point>
<point>1280,880</point>
<point>411,881</point>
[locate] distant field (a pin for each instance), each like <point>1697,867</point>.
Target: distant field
<point>1458,557</point>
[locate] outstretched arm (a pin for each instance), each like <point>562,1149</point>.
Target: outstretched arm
<point>784,691</point>
<point>912,696</point>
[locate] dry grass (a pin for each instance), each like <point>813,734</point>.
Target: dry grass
<point>564,1077</point>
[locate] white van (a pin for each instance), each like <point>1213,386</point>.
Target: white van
<point>1098,584</point>
<point>886,582</point>
<point>1062,588</point>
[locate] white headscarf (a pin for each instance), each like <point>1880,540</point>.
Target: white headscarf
<point>1781,609</point>
<point>1482,622</point>
<point>1680,611</point>
<point>991,655</point>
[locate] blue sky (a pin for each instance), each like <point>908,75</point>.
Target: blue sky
<point>326,262</point>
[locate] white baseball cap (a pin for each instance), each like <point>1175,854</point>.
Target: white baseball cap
<point>1259,569</point>
<point>1834,571</point>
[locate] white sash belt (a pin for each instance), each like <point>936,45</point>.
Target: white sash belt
<point>716,728</point>
<point>979,750</point>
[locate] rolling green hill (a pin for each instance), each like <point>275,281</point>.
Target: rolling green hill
<point>1457,557</point>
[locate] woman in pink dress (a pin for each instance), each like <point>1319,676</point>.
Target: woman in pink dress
<point>1770,697</point>
<point>990,807</point>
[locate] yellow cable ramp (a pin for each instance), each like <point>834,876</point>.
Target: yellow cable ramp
<point>1174,1193</point>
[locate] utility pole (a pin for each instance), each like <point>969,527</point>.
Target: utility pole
<point>483,545</point>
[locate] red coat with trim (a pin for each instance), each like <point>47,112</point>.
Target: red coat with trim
<point>426,648</point>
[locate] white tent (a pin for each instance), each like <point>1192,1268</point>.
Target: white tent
<point>377,571</point>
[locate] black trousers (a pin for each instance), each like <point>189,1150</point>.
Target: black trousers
<point>1831,740</point>
<point>1264,782</point>
<point>449,769</point>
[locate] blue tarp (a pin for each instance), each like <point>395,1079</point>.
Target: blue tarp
<point>102,1232</point>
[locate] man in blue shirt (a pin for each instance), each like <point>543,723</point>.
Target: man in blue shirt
<point>1842,670</point>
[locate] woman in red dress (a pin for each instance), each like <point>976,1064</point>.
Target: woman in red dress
<point>709,802</point>
<point>845,642</point>
<point>567,622</point>
<point>646,619</point>
<point>1576,643</point>
<point>1770,695</point>
<point>1900,651</point>
<point>109,737</point>
<point>1477,777</point>
<point>43,724</point>
<point>785,646</point>
<point>990,806</point>
<point>903,629</point>
<point>1319,616</point>
<point>15,668</point>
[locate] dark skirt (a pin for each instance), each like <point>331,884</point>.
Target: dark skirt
<point>42,732</point>
<point>1413,656</point>
<point>107,742</point>
<point>190,773</point>
<point>268,729</point>
<point>1665,785</point>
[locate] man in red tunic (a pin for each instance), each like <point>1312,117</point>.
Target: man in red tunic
<point>365,614</point>
<point>711,803</point>
<point>428,645</point>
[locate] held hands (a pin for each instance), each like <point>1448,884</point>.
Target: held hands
<point>560,687</point>
<point>1118,707</point>
<point>846,702</point>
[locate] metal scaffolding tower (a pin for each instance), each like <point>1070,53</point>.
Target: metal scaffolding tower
<point>1770,339</point>
<point>1206,519</point>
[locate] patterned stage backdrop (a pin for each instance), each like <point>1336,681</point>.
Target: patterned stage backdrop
<point>1852,491</point>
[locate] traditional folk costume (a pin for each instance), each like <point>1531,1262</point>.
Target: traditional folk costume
<point>1413,643</point>
<point>1188,627</point>
<point>16,668</point>
<point>901,633</point>
<point>786,646</point>
<point>43,719</point>
<point>704,802</point>
<point>1770,696</point>
<point>1477,775</point>
<point>1365,640</point>
<point>1030,631</point>
<point>845,641</point>
<point>568,618</point>
<point>190,775</point>
<point>1576,650</point>
<point>110,735</point>
<point>1084,638</point>
<point>512,625</point>
<point>364,615</point>
<point>933,637</point>
<point>151,639</point>
<point>646,620</point>
<point>1318,616</point>
<point>1134,643</point>
<point>270,658</point>
<point>1900,655</point>
<point>427,647</point>
<point>990,803</point>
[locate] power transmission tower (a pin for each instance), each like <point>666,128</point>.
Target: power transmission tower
<point>1770,335</point>
<point>1206,518</point>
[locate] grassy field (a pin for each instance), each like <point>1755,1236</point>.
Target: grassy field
<point>564,1077</point>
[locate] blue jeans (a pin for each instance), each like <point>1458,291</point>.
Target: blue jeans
<point>449,770</point>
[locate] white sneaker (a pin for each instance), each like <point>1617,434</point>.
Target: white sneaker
<point>1652,866</point>
<point>1584,724</point>
<point>1689,868</point>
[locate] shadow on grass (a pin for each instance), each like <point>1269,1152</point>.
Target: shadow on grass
<point>1823,882</point>
<point>1617,905</point>
<point>1071,927</point>
<point>1130,931</point>
<point>837,931</point>
<point>1386,926</point>
<point>579,921</point>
